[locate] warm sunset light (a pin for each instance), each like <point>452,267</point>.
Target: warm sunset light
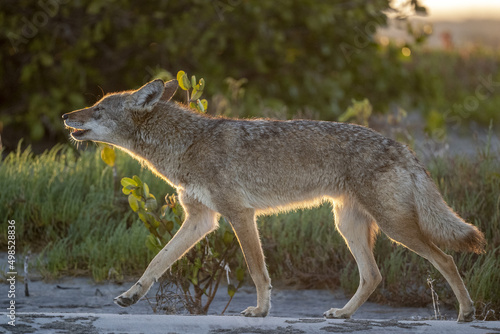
<point>462,9</point>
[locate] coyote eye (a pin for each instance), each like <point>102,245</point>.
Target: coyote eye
<point>98,112</point>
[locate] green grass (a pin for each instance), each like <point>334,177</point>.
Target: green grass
<point>459,91</point>
<point>68,208</point>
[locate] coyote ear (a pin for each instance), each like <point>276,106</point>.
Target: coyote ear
<point>170,89</point>
<point>148,95</point>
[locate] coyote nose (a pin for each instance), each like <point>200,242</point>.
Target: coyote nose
<point>65,116</point>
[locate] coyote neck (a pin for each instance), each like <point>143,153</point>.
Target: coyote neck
<point>161,140</point>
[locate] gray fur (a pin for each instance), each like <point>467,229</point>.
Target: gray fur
<point>242,168</point>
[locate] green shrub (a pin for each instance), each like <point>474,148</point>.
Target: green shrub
<point>303,54</point>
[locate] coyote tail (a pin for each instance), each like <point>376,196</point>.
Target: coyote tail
<point>440,223</point>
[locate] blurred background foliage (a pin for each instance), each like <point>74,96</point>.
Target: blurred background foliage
<point>308,58</point>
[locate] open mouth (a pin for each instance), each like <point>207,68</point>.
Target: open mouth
<point>78,133</point>
<point>75,133</point>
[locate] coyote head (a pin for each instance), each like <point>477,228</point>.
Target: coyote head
<point>115,116</point>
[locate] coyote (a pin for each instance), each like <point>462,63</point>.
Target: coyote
<point>243,168</point>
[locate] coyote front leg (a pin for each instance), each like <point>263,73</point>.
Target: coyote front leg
<point>246,231</point>
<point>200,221</point>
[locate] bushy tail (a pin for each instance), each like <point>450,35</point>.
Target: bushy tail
<point>440,223</point>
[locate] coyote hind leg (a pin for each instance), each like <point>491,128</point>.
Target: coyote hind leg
<point>442,261</point>
<point>358,230</point>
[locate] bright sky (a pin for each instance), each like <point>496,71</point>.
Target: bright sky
<point>462,9</point>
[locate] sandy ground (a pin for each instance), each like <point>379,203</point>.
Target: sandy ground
<point>80,306</point>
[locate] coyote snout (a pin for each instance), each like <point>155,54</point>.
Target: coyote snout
<point>77,120</point>
<point>242,168</point>
<point>90,124</point>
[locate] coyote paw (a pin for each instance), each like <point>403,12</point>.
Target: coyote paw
<point>132,296</point>
<point>253,311</point>
<point>466,317</point>
<point>123,301</point>
<point>336,313</point>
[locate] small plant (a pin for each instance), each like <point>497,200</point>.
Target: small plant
<point>359,112</point>
<point>201,270</point>
<point>435,299</point>
<point>193,98</point>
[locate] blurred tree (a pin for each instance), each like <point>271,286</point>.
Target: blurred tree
<point>59,55</point>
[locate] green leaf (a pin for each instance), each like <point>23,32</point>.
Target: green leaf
<point>162,228</point>
<point>175,210</point>
<point>133,202</point>
<point>137,180</point>
<point>204,103</point>
<point>196,94</point>
<point>151,204</point>
<point>108,155</point>
<point>128,189</point>
<point>228,238</point>
<point>183,80</point>
<point>126,181</point>
<point>193,81</point>
<point>153,244</point>
<point>137,193</point>
<point>178,220</point>
<point>231,290</point>
<point>169,225</point>
<point>179,75</point>
<point>194,274</point>
<point>202,84</point>
<point>200,106</point>
<point>145,190</point>
<point>152,220</point>
<point>144,219</point>
<point>240,274</point>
